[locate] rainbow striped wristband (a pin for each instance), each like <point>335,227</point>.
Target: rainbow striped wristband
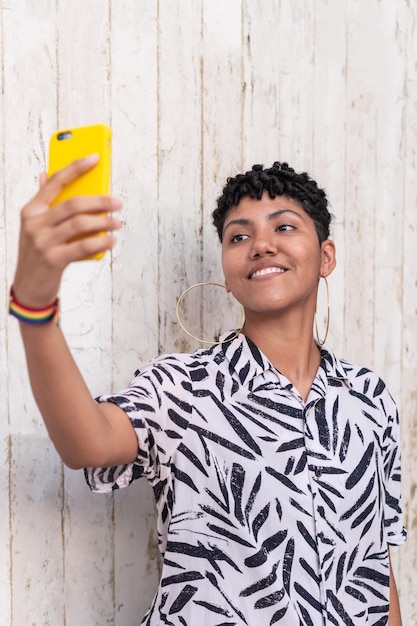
<point>33,316</point>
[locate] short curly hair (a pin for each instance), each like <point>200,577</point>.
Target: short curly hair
<point>278,180</point>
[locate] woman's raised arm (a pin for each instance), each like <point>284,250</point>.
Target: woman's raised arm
<point>84,433</point>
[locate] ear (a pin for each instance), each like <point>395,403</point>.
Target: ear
<point>328,257</point>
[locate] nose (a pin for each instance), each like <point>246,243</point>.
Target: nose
<point>263,244</point>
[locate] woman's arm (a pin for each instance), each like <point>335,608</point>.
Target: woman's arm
<point>84,433</point>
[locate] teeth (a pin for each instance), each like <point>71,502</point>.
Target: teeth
<point>268,270</point>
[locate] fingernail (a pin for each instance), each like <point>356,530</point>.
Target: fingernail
<point>92,158</point>
<point>116,203</point>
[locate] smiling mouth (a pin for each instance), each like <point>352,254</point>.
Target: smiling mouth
<point>267,270</point>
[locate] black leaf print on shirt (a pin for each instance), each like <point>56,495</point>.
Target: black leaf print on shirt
<point>339,608</point>
<point>306,616</point>
<point>379,388</point>
<point>302,462</point>
<point>360,501</point>
<point>260,520</point>
<point>362,397</point>
<point>214,513</point>
<point>214,608</point>
<point>223,489</point>
<point>189,454</point>
<point>185,478</point>
<point>322,426</point>
<point>220,379</point>
<point>283,479</point>
<point>278,408</point>
<point>310,571</point>
<point>375,592</point>
<point>261,584</point>
<point>372,574</point>
<point>181,578</point>
<point>340,571</point>
<point>257,355</point>
<point>327,500</point>
<point>352,558</point>
<point>335,423</point>
<point>198,374</point>
<point>311,600</point>
<point>292,445</point>
<point>278,615</point>
<point>267,546</point>
<point>211,553</point>
<point>186,407</point>
<point>289,467</point>
<point>361,468</point>
<point>185,596</point>
<point>252,496</point>
<point>270,600</point>
<point>287,565</point>
<point>227,533</point>
<point>244,372</point>
<point>237,481</point>
<point>355,593</point>
<point>321,511</point>
<point>213,580</point>
<point>238,427</point>
<point>330,489</point>
<point>363,515</point>
<point>177,419</point>
<point>306,535</point>
<point>226,443</point>
<point>344,447</point>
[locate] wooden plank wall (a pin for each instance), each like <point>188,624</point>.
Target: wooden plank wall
<point>194,90</point>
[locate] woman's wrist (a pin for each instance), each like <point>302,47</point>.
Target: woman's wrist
<point>31,315</point>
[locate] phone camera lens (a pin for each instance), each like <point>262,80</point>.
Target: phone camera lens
<point>64,135</point>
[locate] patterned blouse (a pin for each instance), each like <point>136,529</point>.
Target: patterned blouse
<point>270,509</point>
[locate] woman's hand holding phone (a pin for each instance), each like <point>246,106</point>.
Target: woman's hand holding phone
<point>52,239</point>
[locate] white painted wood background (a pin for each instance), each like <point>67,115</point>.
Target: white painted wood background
<point>195,90</point>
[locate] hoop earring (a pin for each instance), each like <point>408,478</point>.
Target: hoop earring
<point>177,312</point>
<point>322,341</point>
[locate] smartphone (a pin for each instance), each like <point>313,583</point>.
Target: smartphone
<point>69,144</point>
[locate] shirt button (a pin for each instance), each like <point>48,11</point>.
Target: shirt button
<point>318,472</point>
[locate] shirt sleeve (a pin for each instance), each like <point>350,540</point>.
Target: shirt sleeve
<point>393,516</point>
<point>155,406</point>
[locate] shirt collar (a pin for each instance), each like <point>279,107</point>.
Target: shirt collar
<point>333,366</point>
<point>245,359</point>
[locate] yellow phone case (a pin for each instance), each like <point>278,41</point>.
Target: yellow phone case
<point>67,145</point>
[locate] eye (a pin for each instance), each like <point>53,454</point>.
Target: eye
<point>285,227</point>
<point>237,238</point>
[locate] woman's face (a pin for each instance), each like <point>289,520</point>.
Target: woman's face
<point>272,257</point>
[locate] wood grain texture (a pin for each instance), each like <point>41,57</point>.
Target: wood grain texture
<point>194,91</point>
<point>5,442</point>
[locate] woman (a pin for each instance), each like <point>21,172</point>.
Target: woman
<point>275,465</point>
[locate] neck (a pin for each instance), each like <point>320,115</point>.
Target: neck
<point>289,347</point>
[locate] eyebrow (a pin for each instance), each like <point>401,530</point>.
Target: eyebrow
<point>242,221</point>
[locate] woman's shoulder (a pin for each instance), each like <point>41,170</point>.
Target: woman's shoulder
<point>361,378</point>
